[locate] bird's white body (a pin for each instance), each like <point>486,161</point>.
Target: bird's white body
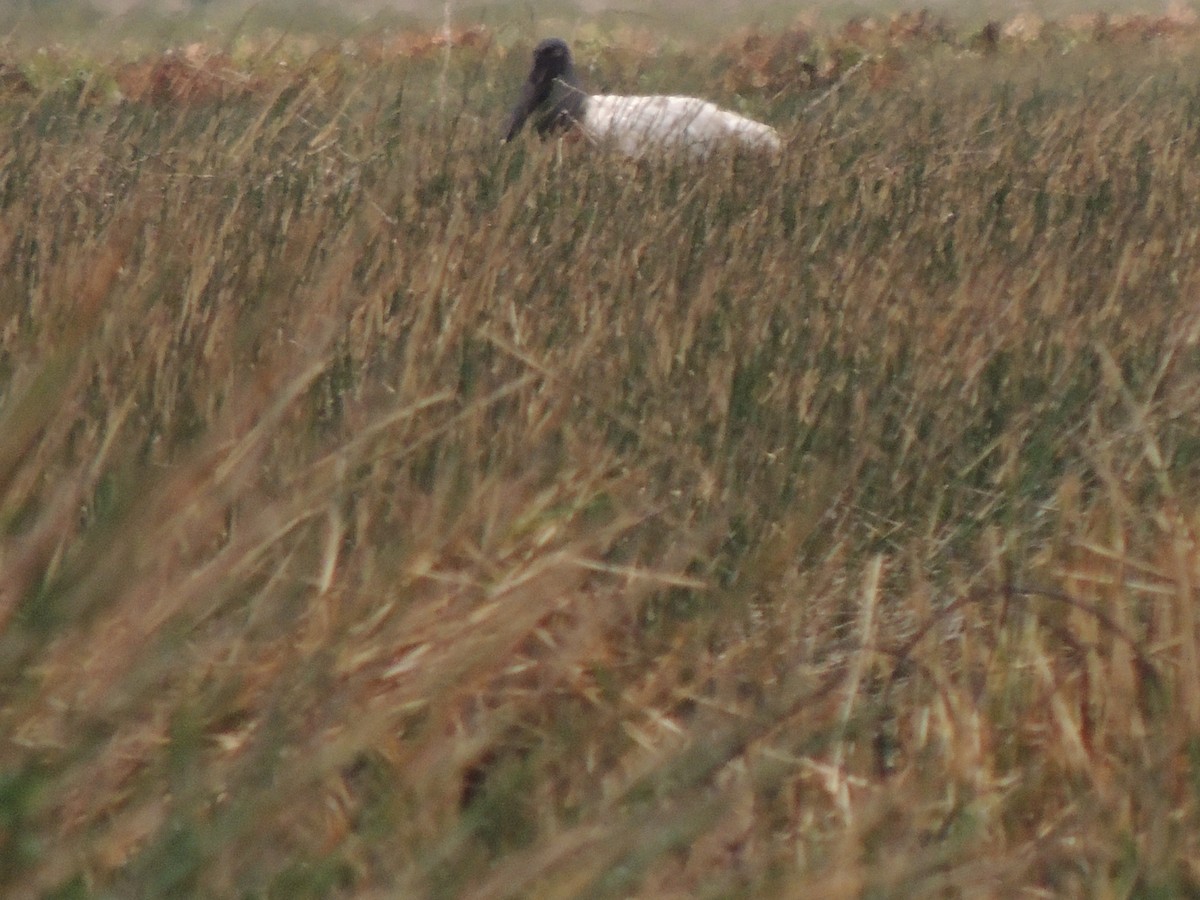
<point>637,125</point>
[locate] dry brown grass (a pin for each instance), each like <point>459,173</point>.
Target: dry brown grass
<point>388,513</point>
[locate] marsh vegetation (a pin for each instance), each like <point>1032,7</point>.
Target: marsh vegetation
<point>389,512</point>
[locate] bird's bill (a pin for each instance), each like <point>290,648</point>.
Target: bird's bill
<point>531,96</point>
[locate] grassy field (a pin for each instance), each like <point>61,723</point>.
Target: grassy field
<point>386,512</point>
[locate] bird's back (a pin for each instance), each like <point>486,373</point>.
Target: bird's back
<point>635,125</point>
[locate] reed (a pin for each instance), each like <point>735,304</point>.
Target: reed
<point>387,512</point>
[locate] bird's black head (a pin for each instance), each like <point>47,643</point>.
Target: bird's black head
<point>551,83</point>
<point>551,58</point>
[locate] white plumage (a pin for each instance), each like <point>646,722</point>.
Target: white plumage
<point>633,125</point>
<point>636,124</point>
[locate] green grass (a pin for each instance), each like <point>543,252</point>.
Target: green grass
<point>386,511</point>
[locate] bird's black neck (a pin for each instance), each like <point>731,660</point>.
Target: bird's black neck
<point>565,105</point>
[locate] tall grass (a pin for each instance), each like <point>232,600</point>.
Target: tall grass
<point>389,512</point>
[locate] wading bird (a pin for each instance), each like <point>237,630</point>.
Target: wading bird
<point>634,125</point>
